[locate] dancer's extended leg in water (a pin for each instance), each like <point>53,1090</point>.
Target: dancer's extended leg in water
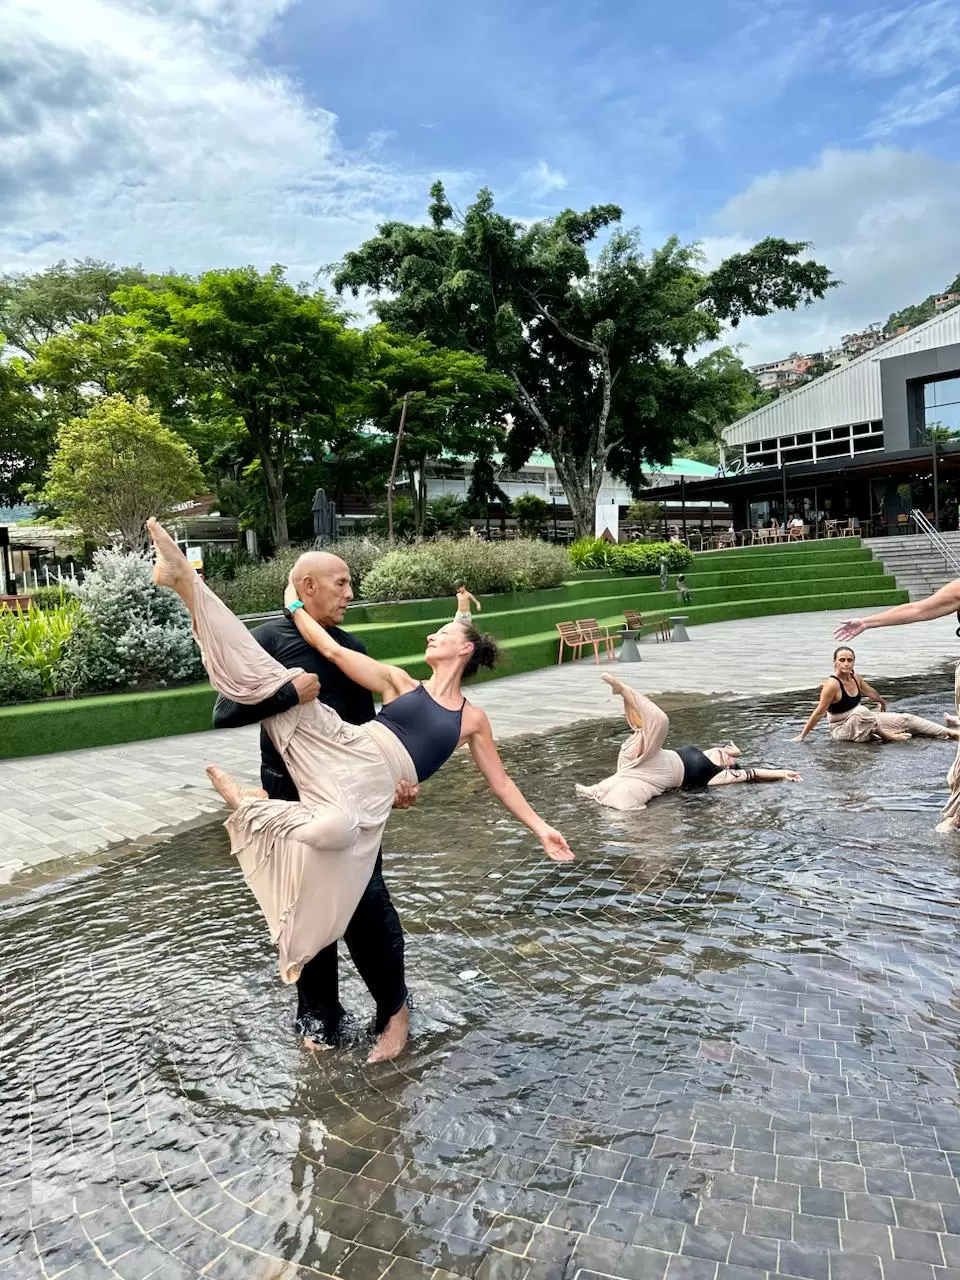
<point>644,769</point>
<point>307,862</point>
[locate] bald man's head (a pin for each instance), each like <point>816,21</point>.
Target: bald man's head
<point>322,581</point>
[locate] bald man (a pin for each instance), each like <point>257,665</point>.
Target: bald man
<point>374,937</point>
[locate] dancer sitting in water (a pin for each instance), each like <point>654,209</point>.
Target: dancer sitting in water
<point>646,770</point>
<point>840,701</point>
<point>309,862</point>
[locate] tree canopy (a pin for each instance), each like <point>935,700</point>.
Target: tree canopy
<point>117,466</point>
<point>603,349</point>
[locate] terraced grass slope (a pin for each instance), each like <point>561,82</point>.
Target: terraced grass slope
<point>748,583</point>
<point>742,583</point>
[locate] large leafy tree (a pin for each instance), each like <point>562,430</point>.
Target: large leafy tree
<point>276,359</point>
<point>455,404</point>
<point>26,432</point>
<point>116,467</point>
<point>36,306</point>
<point>601,347</point>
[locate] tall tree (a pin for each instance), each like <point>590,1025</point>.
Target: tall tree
<point>278,359</point>
<point>116,467</point>
<point>26,432</point>
<point>601,349</point>
<point>35,306</point>
<point>455,404</point>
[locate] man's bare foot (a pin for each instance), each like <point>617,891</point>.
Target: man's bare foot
<point>230,789</point>
<point>393,1037</point>
<point>952,722</point>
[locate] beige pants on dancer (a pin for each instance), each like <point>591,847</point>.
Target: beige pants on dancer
<point>861,725</point>
<point>644,769</point>
<point>308,863</point>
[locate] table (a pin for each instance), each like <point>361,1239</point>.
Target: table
<point>679,632</point>
<point>628,650</point>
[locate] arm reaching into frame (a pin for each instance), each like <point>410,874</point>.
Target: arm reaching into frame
<point>942,602</point>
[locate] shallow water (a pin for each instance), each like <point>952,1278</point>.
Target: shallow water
<point>736,1004</point>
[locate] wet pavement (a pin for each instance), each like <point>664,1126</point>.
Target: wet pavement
<point>724,1043</point>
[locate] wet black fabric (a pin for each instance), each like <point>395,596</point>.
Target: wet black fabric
<point>374,936</point>
<point>847,701</point>
<point>698,769</point>
<point>429,732</point>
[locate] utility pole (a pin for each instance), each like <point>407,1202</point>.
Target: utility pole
<point>393,469</point>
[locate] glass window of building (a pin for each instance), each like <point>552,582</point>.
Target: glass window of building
<point>941,405</point>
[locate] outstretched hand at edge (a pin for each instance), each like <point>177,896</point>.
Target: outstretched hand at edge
<point>849,630</point>
<point>555,846</point>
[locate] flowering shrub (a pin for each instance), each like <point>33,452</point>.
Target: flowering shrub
<point>430,569</point>
<point>130,633</point>
<point>258,587</point>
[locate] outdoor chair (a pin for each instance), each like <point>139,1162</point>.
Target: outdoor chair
<point>634,620</point>
<point>852,529</point>
<point>726,539</point>
<point>592,633</point>
<point>570,638</point>
<point>661,629</point>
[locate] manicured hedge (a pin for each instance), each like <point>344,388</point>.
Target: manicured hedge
<point>40,728</point>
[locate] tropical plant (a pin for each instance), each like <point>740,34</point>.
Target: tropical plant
<point>531,514</point>
<point>590,553</point>
<point>644,557</point>
<point>37,640</point>
<point>446,514</point>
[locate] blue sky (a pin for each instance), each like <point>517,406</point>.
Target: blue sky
<point>200,133</point>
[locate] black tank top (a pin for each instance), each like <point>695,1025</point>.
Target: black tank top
<point>847,700</point>
<point>429,732</point>
<point>698,768</point>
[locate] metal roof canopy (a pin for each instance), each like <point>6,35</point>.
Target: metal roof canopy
<point>867,465</point>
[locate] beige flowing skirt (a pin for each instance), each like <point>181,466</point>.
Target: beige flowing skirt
<point>950,817</point>
<point>644,769</point>
<point>307,863</point>
<point>861,725</point>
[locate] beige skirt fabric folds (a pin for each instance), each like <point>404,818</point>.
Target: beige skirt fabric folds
<point>308,863</point>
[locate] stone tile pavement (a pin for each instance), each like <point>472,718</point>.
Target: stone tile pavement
<point>82,802</point>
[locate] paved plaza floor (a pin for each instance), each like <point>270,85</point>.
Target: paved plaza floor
<point>56,808</point>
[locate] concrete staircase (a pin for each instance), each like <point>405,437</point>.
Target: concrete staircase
<point>912,561</point>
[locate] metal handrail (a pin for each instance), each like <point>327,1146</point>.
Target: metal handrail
<point>939,546</point>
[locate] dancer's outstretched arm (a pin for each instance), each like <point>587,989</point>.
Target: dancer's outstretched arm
<point>379,677</point>
<point>942,602</point>
<point>730,776</point>
<point>827,698</point>
<point>479,737</point>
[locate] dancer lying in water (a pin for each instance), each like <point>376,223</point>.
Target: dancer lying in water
<point>840,702</point>
<point>646,770</point>
<point>308,862</point>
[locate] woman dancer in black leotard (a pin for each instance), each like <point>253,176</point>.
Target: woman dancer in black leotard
<point>309,862</point>
<point>849,721</point>
<point>646,770</point>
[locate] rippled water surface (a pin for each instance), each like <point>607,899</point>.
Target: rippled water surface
<point>728,1032</point>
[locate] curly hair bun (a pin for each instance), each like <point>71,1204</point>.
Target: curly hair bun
<point>485,652</point>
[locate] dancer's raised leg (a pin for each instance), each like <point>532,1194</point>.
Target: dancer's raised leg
<point>652,723</point>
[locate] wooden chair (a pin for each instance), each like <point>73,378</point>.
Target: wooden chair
<point>903,522</point>
<point>571,638</point>
<point>662,630</point>
<point>852,529</point>
<point>592,633</point>
<point>634,620</point>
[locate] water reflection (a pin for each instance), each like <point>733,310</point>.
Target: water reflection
<point>748,961</point>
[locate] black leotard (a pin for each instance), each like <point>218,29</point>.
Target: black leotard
<point>698,768</point>
<point>847,700</point>
<point>429,732</point>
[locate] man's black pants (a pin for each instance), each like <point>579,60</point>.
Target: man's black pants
<point>374,939</point>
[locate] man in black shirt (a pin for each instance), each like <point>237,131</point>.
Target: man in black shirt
<point>374,937</point>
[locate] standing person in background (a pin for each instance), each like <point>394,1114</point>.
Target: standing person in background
<point>464,601</point>
<point>374,936</point>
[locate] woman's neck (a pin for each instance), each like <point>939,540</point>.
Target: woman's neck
<point>444,683</point>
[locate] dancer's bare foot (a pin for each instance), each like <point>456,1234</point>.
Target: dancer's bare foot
<point>393,1038</point>
<point>172,565</point>
<point>952,722</point>
<point>318,1046</point>
<point>230,789</point>
<point>615,684</point>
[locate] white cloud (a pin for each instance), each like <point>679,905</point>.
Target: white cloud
<point>541,180</point>
<point>143,130</point>
<point>885,222</point>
